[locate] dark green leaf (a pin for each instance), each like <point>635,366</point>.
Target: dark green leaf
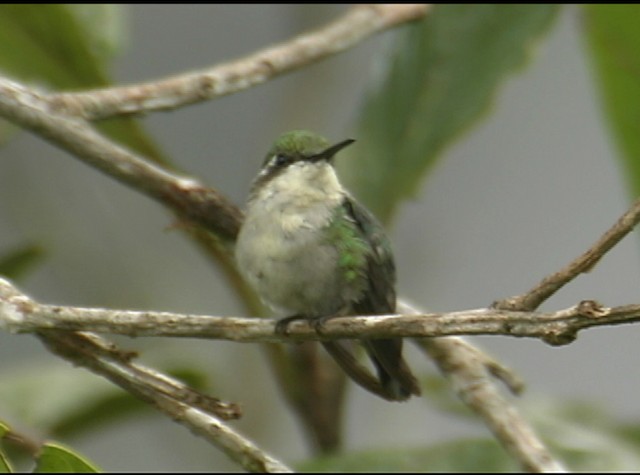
<point>4,428</point>
<point>56,458</point>
<point>441,76</point>
<point>613,39</point>
<point>5,466</point>
<point>17,262</point>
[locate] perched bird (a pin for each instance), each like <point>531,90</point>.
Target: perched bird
<point>311,251</point>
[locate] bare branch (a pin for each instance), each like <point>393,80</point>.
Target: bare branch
<point>471,381</point>
<point>186,196</point>
<point>194,410</point>
<point>357,24</point>
<point>469,370</point>
<point>20,314</point>
<point>584,263</point>
<point>103,357</point>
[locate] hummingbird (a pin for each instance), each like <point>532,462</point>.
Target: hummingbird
<point>311,251</point>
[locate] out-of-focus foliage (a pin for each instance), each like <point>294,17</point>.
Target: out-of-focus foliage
<point>438,79</point>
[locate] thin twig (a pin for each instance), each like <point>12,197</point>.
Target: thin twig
<point>102,357</point>
<point>532,299</point>
<point>20,314</point>
<point>358,23</point>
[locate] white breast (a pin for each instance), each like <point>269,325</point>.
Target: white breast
<point>281,249</point>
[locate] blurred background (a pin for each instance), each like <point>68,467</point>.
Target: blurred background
<point>518,196</point>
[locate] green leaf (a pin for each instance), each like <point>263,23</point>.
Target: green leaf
<point>105,26</point>
<point>470,455</point>
<point>19,261</point>
<point>440,77</point>
<point>107,407</point>
<point>56,458</point>
<point>4,429</point>
<point>5,466</point>
<point>64,401</point>
<point>64,47</point>
<point>613,41</point>
<point>52,396</point>
<point>46,42</point>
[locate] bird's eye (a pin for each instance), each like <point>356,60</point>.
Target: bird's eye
<point>281,160</point>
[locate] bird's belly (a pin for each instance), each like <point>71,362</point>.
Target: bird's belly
<point>295,273</point>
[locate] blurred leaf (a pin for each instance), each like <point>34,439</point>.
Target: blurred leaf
<point>112,405</point>
<point>470,455</point>
<point>582,435</point>
<point>613,39</point>
<point>51,395</point>
<point>47,43</point>
<point>56,458</point>
<point>5,466</point>
<point>59,45</point>
<point>630,432</point>
<point>440,77</point>
<point>61,400</point>
<point>586,436</point>
<point>104,24</point>
<point>4,428</point>
<point>17,262</point>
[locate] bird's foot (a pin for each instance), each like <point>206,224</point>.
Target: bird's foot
<point>282,325</point>
<point>319,322</point>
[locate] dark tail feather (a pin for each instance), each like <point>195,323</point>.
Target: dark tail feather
<point>394,373</point>
<point>395,382</point>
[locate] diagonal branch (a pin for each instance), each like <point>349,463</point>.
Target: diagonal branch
<point>191,200</point>
<point>102,357</point>
<point>471,381</point>
<point>583,263</point>
<point>470,372</point>
<point>357,24</point>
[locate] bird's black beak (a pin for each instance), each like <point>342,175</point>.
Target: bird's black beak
<point>328,153</point>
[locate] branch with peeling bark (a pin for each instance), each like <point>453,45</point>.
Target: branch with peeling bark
<point>203,415</point>
<point>20,314</point>
<point>357,24</point>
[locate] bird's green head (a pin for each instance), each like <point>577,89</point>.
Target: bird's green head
<point>301,145</point>
<point>292,150</point>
